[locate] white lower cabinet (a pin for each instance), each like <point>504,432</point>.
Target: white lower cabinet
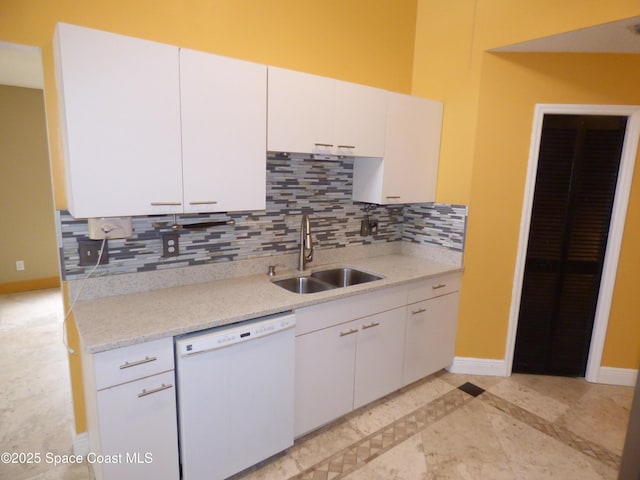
<point>379,356</point>
<point>131,412</point>
<point>325,367</point>
<point>137,428</point>
<point>430,336</point>
<point>355,350</point>
<point>346,366</point>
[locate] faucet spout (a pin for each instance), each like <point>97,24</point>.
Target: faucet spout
<point>306,243</point>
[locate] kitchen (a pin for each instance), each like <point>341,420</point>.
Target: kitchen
<point>453,176</point>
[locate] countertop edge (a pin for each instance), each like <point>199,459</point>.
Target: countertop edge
<point>282,301</point>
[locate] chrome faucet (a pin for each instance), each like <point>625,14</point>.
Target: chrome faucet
<point>306,243</point>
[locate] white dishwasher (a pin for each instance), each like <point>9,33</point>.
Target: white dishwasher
<point>235,395</point>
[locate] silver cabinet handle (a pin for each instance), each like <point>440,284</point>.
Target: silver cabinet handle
<point>393,196</point>
<point>204,202</point>
<point>167,204</point>
<point>441,285</point>
<point>416,312</point>
<point>138,362</point>
<point>350,332</point>
<point>323,144</point>
<point>371,325</point>
<point>346,146</point>
<point>146,392</point>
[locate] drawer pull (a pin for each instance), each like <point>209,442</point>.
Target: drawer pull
<point>204,202</point>
<point>350,332</point>
<point>371,325</point>
<point>139,362</point>
<point>441,285</point>
<point>166,204</point>
<point>323,144</point>
<point>416,312</point>
<point>145,392</point>
<point>346,146</point>
<point>393,197</point>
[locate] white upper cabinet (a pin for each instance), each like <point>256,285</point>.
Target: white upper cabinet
<point>300,109</point>
<point>360,120</point>
<point>409,171</point>
<point>120,105</point>
<point>313,114</point>
<point>224,117</point>
<point>149,128</point>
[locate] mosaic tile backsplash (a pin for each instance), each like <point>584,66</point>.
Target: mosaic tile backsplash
<point>295,185</point>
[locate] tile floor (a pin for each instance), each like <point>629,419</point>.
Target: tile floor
<point>446,426</point>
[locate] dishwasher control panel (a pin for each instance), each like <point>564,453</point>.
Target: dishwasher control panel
<point>227,335</point>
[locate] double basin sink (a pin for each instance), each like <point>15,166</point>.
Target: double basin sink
<point>326,280</point>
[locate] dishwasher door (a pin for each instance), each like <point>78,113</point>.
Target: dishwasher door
<point>235,396</point>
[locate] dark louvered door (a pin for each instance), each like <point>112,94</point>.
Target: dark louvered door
<point>573,199</point>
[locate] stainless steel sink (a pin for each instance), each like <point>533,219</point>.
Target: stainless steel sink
<point>326,280</point>
<point>303,285</point>
<point>344,277</point>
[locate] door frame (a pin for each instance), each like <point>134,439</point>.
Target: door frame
<point>616,228</point>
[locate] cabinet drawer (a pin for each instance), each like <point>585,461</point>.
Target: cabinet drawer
<point>125,364</point>
<point>434,287</point>
<point>323,315</point>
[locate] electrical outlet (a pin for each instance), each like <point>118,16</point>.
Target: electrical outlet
<point>89,251</point>
<point>111,227</point>
<point>170,245</point>
<point>19,265</point>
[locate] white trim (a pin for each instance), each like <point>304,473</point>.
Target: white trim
<point>617,376</point>
<point>479,366</point>
<point>623,188</point>
<point>81,444</point>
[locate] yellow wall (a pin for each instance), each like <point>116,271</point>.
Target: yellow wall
<point>444,69</point>
<point>489,102</point>
<point>450,40</point>
<point>364,41</point>
<point>26,203</point>
<point>511,86</point>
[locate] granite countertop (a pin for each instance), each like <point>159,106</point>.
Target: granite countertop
<point>113,322</point>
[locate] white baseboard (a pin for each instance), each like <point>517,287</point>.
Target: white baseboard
<point>81,444</point>
<point>617,376</point>
<point>479,366</point>
<point>498,368</point>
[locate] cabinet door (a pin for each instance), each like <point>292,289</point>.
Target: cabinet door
<point>325,365</point>
<point>360,119</point>
<point>120,124</point>
<point>430,336</point>
<point>408,173</point>
<point>300,112</point>
<point>138,429</point>
<point>412,149</point>
<point>379,355</point>
<point>224,118</point>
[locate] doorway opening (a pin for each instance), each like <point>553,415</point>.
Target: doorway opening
<point>554,293</point>
<point>572,203</point>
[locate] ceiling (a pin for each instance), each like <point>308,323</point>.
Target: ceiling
<point>20,66</point>
<point>614,37</point>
